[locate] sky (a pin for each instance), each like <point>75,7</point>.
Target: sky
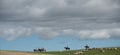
<point>25,25</point>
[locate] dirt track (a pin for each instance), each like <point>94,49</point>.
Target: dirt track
<point>19,53</point>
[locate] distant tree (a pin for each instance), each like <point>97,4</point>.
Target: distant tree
<point>87,47</point>
<point>40,50</point>
<point>67,48</point>
<point>35,50</point>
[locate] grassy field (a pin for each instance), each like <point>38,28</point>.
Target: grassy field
<point>19,53</point>
<point>89,52</point>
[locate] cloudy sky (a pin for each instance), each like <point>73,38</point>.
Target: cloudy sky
<point>48,19</point>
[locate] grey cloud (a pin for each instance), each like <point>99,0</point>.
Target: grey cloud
<point>57,16</point>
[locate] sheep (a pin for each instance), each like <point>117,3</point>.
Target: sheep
<point>115,48</point>
<point>101,50</point>
<point>110,48</point>
<point>90,49</point>
<point>78,52</point>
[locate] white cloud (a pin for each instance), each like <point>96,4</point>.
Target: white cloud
<point>12,33</point>
<point>46,33</point>
<point>95,34</point>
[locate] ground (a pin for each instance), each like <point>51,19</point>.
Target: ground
<point>89,52</point>
<point>19,53</point>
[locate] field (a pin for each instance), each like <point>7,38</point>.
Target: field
<point>19,53</point>
<point>72,52</point>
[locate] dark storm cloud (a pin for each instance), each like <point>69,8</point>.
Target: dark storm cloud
<point>46,17</point>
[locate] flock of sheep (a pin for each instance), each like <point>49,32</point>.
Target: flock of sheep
<point>102,50</point>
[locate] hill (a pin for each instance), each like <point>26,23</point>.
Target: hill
<point>105,51</point>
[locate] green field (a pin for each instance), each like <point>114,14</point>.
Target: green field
<point>89,52</point>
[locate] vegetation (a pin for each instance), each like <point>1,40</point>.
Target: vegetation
<point>71,52</point>
<point>89,52</point>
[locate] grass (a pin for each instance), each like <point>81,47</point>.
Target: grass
<point>11,52</point>
<point>90,52</point>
